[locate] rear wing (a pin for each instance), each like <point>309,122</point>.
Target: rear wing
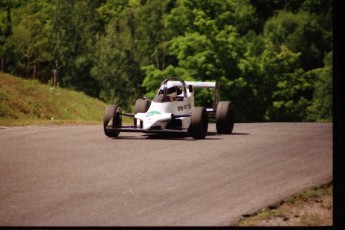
<point>195,84</point>
<point>201,84</point>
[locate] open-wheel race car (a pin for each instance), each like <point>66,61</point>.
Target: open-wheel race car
<point>172,111</point>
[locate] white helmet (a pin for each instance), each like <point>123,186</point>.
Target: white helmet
<point>172,92</point>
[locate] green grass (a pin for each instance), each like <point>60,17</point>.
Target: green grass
<point>28,102</point>
<point>312,207</point>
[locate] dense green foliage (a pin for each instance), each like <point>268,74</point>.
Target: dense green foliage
<point>273,58</point>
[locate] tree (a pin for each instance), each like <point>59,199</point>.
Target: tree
<point>133,38</point>
<point>322,106</point>
<point>5,30</point>
<point>29,40</point>
<point>302,32</point>
<point>116,68</point>
<point>74,31</point>
<point>205,41</point>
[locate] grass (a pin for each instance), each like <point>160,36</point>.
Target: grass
<point>313,207</point>
<point>28,102</point>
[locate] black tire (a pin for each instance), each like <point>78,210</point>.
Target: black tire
<point>113,116</point>
<point>225,117</point>
<point>141,106</point>
<point>199,123</point>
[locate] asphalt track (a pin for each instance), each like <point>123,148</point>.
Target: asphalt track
<point>76,176</point>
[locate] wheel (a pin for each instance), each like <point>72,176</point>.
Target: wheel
<point>199,123</point>
<point>141,106</point>
<point>113,118</point>
<point>225,117</point>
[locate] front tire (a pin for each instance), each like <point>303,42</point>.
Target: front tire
<point>225,117</point>
<point>141,106</point>
<point>199,123</point>
<point>113,118</point>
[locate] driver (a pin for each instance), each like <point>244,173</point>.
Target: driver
<point>172,93</point>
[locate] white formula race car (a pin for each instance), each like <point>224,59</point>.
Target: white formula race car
<point>172,111</point>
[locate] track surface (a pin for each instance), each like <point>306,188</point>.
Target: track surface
<point>75,176</point>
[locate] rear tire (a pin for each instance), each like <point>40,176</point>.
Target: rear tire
<point>225,117</point>
<point>113,118</point>
<point>141,106</point>
<point>199,123</point>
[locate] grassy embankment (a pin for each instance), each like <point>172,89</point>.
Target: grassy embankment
<point>313,207</point>
<point>28,102</point>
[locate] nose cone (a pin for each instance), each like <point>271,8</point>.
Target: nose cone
<point>153,119</point>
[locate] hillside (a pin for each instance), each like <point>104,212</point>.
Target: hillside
<point>273,59</point>
<point>28,102</point>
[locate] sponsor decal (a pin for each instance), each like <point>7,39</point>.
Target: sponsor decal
<point>189,106</point>
<point>151,113</point>
<point>184,107</point>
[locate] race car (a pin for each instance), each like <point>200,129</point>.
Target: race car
<point>172,111</point>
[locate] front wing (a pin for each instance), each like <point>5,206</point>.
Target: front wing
<point>139,128</point>
<point>136,129</point>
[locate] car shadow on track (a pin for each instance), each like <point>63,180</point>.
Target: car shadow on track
<point>211,136</point>
<point>244,134</point>
<point>232,134</point>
